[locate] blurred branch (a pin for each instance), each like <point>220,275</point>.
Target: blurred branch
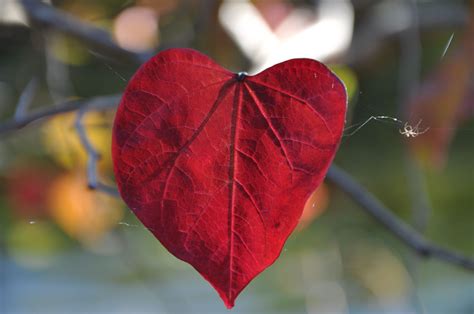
<point>93,157</point>
<point>95,103</point>
<point>400,229</point>
<point>26,98</point>
<point>96,38</point>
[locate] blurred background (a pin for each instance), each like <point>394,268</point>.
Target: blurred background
<point>67,249</point>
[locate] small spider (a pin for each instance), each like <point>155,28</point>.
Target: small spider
<point>412,131</point>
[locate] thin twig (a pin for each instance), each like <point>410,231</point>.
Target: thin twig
<point>448,44</point>
<point>400,229</point>
<point>93,157</point>
<point>95,103</point>
<point>96,38</point>
<point>26,98</point>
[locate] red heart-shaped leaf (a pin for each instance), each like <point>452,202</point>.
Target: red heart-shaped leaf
<point>218,165</point>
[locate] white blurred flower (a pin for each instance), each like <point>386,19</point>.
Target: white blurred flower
<point>328,34</point>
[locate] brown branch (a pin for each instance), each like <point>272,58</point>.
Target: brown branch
<point>93,158</point>
<point>95,103</point>
<point>94,37</point>
<point>400,229</point>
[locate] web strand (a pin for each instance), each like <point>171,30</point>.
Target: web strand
<point>405,129</point>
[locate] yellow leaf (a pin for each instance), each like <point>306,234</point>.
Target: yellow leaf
<point>63,143</point>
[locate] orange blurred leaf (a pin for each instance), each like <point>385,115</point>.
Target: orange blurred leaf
<point>83,214</point>
<point>315,206</point>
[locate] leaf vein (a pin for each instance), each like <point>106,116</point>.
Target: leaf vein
<point>318,114</point>
<point>270,125</point>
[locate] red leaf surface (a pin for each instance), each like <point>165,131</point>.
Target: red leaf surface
<point>217,165</point>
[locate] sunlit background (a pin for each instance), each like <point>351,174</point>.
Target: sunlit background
<point>67,249</point>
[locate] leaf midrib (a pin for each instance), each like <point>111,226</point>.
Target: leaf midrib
<point>235,113</point>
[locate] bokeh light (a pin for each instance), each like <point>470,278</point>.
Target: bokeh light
<point>136,29</point>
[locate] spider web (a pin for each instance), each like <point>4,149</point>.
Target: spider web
<point>406,129</point>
